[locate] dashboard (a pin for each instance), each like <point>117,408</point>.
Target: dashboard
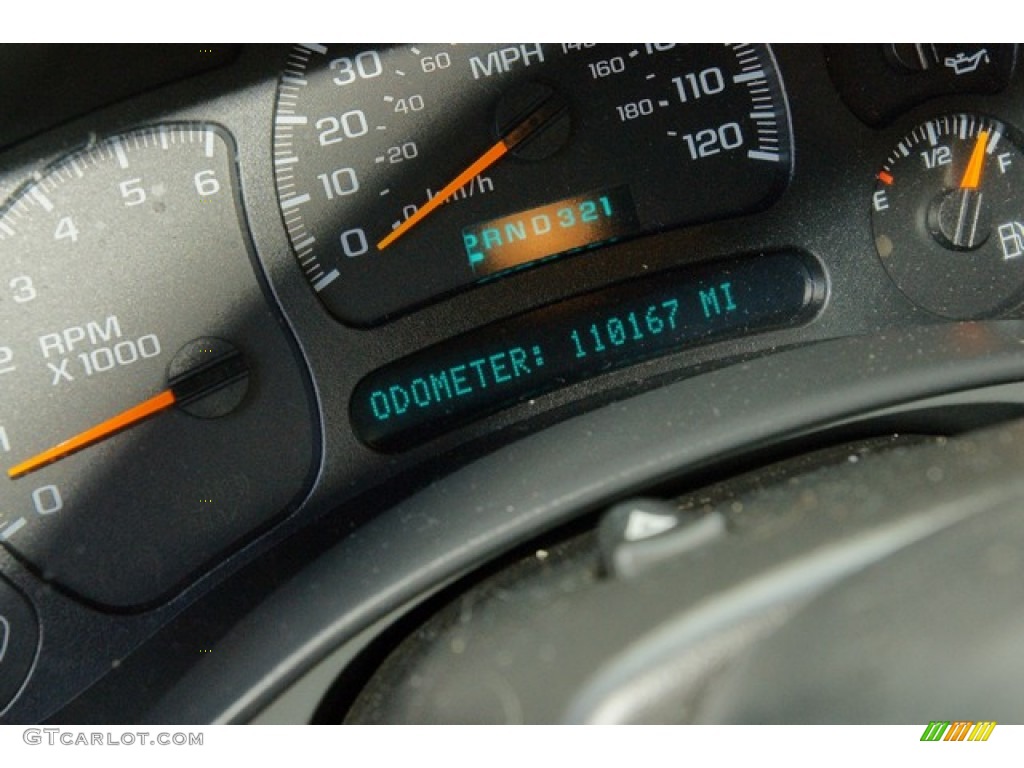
<point>503,383</point>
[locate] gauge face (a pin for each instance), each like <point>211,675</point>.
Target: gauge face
<point>948,216</point>
<point>407,173</point>
<point>143,378</point>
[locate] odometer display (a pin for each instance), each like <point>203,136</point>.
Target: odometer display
<point>395,165</point>
<point>413,400</point>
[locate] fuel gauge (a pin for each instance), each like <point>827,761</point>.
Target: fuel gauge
<point>948,216</point>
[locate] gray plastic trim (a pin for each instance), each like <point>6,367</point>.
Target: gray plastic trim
<point>551,477</point>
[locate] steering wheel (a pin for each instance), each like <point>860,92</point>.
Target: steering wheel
<point>845,547</point>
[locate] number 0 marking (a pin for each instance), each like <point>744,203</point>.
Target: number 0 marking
<point>47,500</point>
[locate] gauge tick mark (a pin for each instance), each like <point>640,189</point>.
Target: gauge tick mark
<point>748,77</point>
<point>292,202</point>
<point>12,529</point>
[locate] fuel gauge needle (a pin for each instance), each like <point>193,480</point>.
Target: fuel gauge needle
<point>541,116</point>
<point>191,386</point>
<point>968,214</point>
<point>972,176</point>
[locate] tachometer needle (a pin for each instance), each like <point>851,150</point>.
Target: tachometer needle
<point>541,116</point>
<point>190,386</point>
<point>101,431</point>
<point>972,176</point>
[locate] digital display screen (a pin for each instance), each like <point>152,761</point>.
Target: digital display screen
<point>505,243</point>
<point>417,398</point>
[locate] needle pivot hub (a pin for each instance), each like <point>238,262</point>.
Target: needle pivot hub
<point>209,378</point>
<point>534,121</point>
<point>958,220</point>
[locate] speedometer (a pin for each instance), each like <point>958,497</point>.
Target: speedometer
<point>405,174</point>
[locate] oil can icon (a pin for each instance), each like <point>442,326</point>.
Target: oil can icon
<point>964,64</point>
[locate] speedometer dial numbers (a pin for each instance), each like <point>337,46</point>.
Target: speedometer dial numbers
<point>405,174</point>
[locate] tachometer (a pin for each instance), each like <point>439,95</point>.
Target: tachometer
<point>407,173</point>
<point>145,381</point>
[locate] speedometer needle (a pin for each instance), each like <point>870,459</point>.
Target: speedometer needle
<point>191,386</point>
<point>541,116</point>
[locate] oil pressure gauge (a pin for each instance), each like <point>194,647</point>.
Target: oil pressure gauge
<point>948,216</point>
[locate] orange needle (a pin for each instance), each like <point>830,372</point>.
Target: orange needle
<point>125,419</point>
<point>972,176</point>
<point>539,117</point>
<point>481,164</point>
